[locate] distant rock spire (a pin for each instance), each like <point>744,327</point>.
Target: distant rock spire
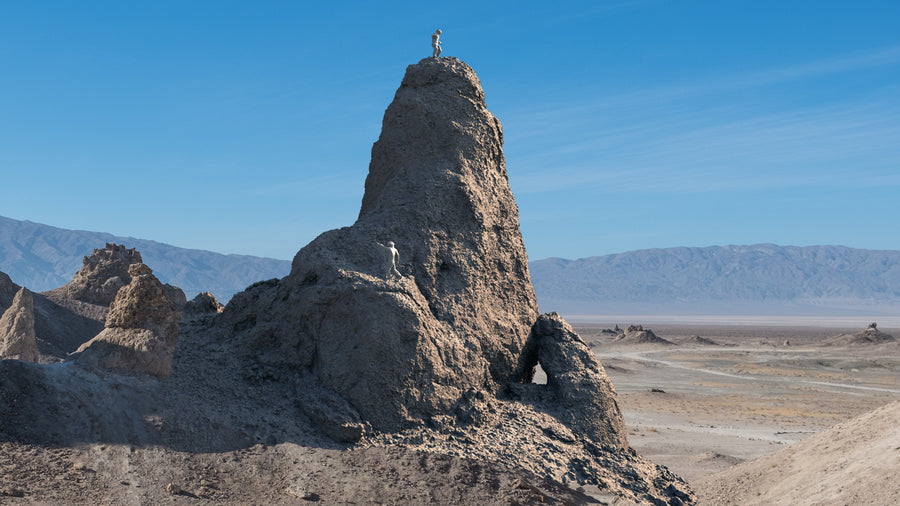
<point>17,338</point>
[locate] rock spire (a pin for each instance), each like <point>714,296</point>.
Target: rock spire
<point>141,329</point>
<point>458,316</point>
<point>17,338</point>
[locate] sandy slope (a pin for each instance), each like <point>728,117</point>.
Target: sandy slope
<point>855,462</point>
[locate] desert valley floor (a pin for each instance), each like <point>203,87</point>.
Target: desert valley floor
<point>722,394</point>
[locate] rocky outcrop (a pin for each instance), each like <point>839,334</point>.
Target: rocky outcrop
<point>8,290</point>
<point>636,334</point>
<point>578,392</point>
<point>870,335</point>
<point>141,329</point>
<point>102,274</point>
<point>459,315</point>
<point>69,316</point>
<point>17,338</point>
<point>702,341</point>
<point>203,303</point>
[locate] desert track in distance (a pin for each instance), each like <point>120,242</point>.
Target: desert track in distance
<point>764,383</point>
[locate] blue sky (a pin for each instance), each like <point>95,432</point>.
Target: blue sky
<point>246,127</point>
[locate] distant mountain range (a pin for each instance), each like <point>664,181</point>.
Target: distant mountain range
<point>42,257</point>
<point>762,279</point>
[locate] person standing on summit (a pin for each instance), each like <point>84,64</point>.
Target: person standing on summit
<point>436,43</point>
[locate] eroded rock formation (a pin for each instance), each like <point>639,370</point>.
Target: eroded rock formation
<point>869,335</point>
<point>578,391</point>
<point>102,274</point>
<point>8,290</point>
<point>203,303</point>
<point>459,315</point>
<point>141,329</point>
<point>636,334</point>
<point>17,338</point>
<point>342,351</point>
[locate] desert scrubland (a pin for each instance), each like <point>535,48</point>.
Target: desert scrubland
<point>719,393</point>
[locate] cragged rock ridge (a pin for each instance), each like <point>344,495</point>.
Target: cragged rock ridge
<point>141,329</point>
<point>102,274</point>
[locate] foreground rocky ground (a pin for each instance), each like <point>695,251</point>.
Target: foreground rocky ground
<point>281,474</point>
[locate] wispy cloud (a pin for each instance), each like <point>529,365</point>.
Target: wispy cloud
<point>682,139</point>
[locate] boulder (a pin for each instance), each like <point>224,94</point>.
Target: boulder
<point>17,338</point>
<point>141,329</point>
<point>458,315</point>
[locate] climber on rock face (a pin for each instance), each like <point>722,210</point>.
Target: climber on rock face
<point>436,43</point>
<point>391,264</point>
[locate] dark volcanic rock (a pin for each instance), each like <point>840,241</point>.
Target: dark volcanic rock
<point>459,316</point>
<point>17,338</point>
<point>141,329</point>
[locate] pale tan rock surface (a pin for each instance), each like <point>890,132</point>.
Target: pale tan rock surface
<point>459,316</point>
<point>17,338</point>
<point>141,329</point>
<point>102,274</point>
<point>578,392</point>
<point>203,303</point>
<point>637,334</point>
<point>868,336</point>
<point>8,290</point>
<point>855,462</point>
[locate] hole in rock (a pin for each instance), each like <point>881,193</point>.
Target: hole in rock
<point>540,377</point>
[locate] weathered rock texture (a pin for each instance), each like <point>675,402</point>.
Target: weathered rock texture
<point>141,329</point>
<point>69,316</point>
<point>203,303</point>
<point>339,354</point>
<point>636,334</point>
<point>102,274</point>
<point>459,316</point>
<point>8,290</point>
<point>17,338</point>
<point>578,391</point>
<point>870,335</point>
